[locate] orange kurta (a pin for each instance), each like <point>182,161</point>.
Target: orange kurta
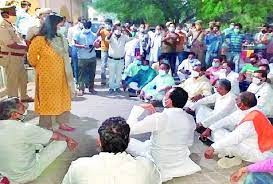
<point>52,92</point>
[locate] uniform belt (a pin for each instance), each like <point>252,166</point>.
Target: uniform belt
<point>116,58</point>
<point>11,53</point>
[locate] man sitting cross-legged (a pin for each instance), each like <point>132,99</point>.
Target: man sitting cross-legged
<point>251,140</point>
<point>172,134</point>
<point>113,164</point>
<point>223,101</point>
<point>20,160</point>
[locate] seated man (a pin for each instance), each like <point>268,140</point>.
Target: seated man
<point>132,69</point>
<point>245,76</point>
<point>223,101</point>
<point>251,140</point>
<point>145,75</point>
<point>157,88</point>
<point>113,164</point>
<point>226,73</point>
<point>186,67</point>
<point>197,86</point>
<point>212,71</point>
<point>263,92</point>
<point>19,159</point>
<point>172,134</point>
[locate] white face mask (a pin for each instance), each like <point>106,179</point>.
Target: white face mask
<point>256,80</point>
<point>164,102</point>
<point>162,72</point>
<point>141,30</point>
<point>172,29</point>
<point>117,32</point>
<point>194,74</point>
<point>107,27</point>
<point>215,64</point>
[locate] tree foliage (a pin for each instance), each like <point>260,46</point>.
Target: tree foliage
<point>248,12</point>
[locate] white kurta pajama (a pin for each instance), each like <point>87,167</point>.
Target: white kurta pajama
<point>223,106</point>
<point>18,158</point>
<point>169,142</point>
<point>155,51</point>
<point>110,168</point>
<point>232,77</point>
<point>241,142</point>
<point>264,95</point>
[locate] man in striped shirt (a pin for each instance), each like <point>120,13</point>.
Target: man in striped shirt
<point>236,41</point>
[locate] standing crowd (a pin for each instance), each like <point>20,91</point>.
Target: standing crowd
<point>211,82</point>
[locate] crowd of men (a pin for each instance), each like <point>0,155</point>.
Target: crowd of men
<point>207,80</point>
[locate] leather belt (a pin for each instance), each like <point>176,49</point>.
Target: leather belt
<point>11,53</point>
<point>116,58</point>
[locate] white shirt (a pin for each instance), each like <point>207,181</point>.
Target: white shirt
<point>172,133</point>
<point>264,95</point>
<point>117,45</point>
<point>72,31</point>
<point>199,86</point>
<point>188,64</point>
<point>231,121</point>
<point>110,168</point>
<point>224,105</point>
<point>17,148</point>
<point>233,78</point>
<point>23,21</point>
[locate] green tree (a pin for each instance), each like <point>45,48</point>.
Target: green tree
<point>251,13</point>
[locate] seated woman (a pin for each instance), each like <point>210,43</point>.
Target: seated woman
<point>211,72</point>
<point>156,89</point>
<point>145,75</point>
<point>260,172</point>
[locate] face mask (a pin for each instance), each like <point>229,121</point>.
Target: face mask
<point>256,80</point>
<point>86,31</point>
<point>138,62</point>
<point>157,32</point>
<point>164,102</point>
<point>108,27</point>
<point>141,30</point>
<point>194,74</point>
<point>214,64</point>
<point>172,29</point>
<point>162,72</point>
<point>80,25</point>
<point>23,116</point>
<point>117,32</point>
<point>144,67</point>
<point>236,30</point>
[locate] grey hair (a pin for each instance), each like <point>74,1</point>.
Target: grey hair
<point>7,107</point>
<point>225,84</point>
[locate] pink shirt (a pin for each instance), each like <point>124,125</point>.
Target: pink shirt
<point>262,166</point>
<point>210,73</point>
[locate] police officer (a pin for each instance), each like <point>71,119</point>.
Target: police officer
<point>12,52</point>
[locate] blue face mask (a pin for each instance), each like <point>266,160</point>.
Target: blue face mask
<point>144,67</point>
<point>138,62</point>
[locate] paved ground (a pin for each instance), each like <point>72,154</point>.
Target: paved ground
<point>87,114</point>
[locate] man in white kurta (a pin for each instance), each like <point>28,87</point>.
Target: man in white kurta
<point>197,86</point>
<point>263,92</point>
<point>242,142</point>
<point>227,73</point>
<point>20,160</point>
<point>186,67</point>
<point>223,101</point>
<point>113,165</point>
<point>172,134</point>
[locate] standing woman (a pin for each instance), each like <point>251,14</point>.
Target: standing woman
<point>48,54</point>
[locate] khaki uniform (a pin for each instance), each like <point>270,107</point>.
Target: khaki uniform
<point>12,60</point>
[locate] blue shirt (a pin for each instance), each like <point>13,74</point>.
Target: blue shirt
<point>236,41</point>
<point>85,38</point>
<point>213,42</point>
